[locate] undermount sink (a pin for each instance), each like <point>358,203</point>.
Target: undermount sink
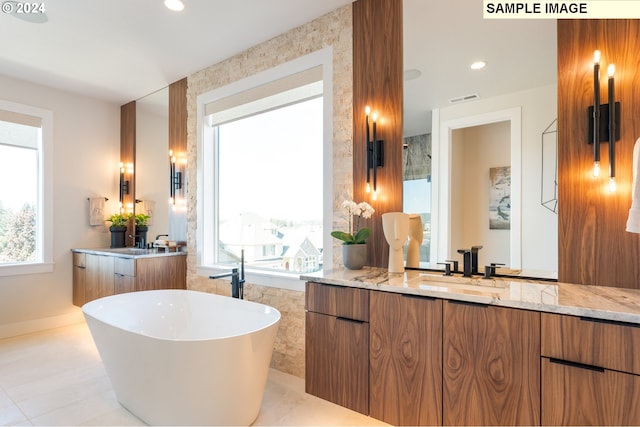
<point>464,285</point>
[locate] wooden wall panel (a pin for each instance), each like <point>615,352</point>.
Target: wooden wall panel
<point>128,157</point>
<point>178,116</point>
<point>594,247</point>
<point>378,82</point>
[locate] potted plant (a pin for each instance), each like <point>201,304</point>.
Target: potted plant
<point>142,227</point>
<point>118,229</point>
<point>354,248</point>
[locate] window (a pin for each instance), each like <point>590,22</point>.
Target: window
<point>263,176</point>
<point>25,209</point>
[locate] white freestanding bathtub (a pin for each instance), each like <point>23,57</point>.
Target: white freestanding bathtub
<point>179,357</point>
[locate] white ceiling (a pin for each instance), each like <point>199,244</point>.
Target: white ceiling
<point>121,50</point>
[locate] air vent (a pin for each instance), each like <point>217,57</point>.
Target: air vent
<point>465,98</point>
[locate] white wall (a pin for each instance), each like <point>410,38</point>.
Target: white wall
<point>86,155</point>
<point>539,225</point>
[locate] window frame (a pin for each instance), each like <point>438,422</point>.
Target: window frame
<point>205,202</point>
<point>44,218</point>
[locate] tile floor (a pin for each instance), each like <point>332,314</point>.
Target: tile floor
<point>56,377</point>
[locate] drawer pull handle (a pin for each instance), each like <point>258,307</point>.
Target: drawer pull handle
<point>474,304</point>
<point>576,365</point>
<point>346,319</point>
<point>609,322</point>
<point>423,297</point>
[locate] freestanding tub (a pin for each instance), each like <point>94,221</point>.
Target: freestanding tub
<point>179,357</point>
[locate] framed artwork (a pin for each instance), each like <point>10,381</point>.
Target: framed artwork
<point>500,198</point>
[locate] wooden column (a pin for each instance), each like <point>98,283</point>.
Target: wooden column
<point>594,247</point>
<point>128,158</point>
<point>378,83</point>
<point>178,144</point>
<point>178,116</point>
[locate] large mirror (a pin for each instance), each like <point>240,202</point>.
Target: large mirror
<point>152,160</point>
<point>473,138</point>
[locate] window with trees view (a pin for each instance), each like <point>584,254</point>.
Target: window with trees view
<point>22,230</point>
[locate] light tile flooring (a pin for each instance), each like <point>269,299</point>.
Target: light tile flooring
<point>56,377</point>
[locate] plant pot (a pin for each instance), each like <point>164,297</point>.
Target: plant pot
<point>118,236</point>
<point>354,257</point>
<point>141,234</point>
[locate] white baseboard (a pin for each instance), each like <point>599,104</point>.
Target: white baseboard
<point>36,325</point>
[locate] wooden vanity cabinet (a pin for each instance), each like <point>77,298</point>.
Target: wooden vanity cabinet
<point>337,345</point>
<point>405,359</point>
<point>590,371</point>
<point>96,276</point>
<point>491,365</point>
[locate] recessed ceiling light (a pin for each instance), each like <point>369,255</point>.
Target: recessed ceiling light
<point>175,5</point>
<point>478,65</point>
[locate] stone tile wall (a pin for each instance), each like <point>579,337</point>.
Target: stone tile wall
<point>333,29</point>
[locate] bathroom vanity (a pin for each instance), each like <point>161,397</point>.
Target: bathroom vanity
<point>418,348</point>
<point>102,272</point>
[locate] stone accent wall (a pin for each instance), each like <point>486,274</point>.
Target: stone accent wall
<point>333,29</point>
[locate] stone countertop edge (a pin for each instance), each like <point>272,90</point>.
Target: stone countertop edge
<point>596,302</point>
<point>128,252</point>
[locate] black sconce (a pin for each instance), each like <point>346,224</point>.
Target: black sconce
<point>604,121</point>
<point>124,186</point>
<point>375,153</point>
<point>175,178</point>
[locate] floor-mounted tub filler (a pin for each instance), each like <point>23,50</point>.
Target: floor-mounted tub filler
<point>180,357</point>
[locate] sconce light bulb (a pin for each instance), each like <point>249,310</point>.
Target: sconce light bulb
<point>173,159</point>
<point>374,116</point>
<point>611,70</point>
<point>596,169</point>
<point>374,196</point>
<point>596,57</point>
<point>612,184</point>
<point>367,110</point>
<point>170,153</point>
<point>367,189</point>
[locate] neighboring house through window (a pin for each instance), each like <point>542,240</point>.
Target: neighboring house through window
<point>263,185</point>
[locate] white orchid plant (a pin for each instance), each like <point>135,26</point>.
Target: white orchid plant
<point>355,236</point>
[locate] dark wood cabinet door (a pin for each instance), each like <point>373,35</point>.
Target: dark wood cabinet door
<point>574,394</point>
<point>337,360</point>
<point>405,359</point>
<point>491,365</point>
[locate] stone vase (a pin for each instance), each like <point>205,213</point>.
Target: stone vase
<point>354,257</point>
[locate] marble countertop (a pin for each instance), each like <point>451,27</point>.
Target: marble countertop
<point>129,252</point>
<point>598,302</point>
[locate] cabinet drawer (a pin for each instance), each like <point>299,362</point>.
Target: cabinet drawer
<point>79,260</point>
<point>339,301</point>
<point>125,266</point>
<point>593,342</point>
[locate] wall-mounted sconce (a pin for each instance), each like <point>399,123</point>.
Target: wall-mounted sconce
<point>124,186</point>
<point>175,178</point>
<point>375,154</point>
<point>604,121</point>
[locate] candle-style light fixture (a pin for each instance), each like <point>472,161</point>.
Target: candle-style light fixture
<point>124,185</point>
<point>375,154</point>
<point>175,178</point>
<point>604,121</point>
